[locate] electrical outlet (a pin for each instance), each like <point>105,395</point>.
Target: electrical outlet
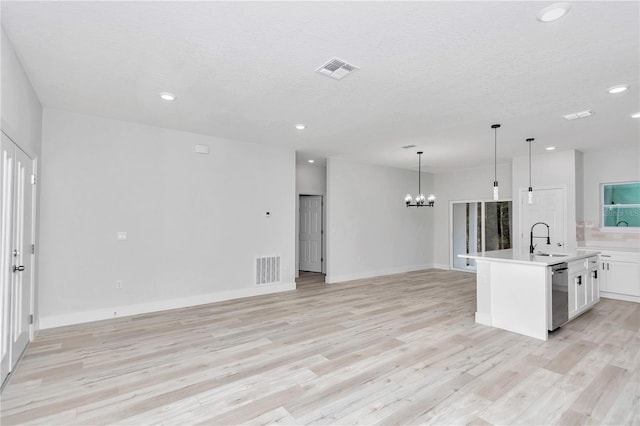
<point>118,283</point>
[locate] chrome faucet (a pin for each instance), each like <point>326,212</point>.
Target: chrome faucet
<point>531,237</point>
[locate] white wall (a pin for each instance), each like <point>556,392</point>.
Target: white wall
<point>606,166</point>
<point>21,112</point>
<point>550,169</point>
<point>195,222</point>
<point>370,231</point>
<point>21,121</point>
<point>311,180</point>
<point>463,185</point>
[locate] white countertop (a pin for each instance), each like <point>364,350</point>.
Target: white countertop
<point>530,259</point>
<point>603,247</point>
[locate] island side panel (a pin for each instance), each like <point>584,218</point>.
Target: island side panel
<point>483,292</point>
<point>519,298</point>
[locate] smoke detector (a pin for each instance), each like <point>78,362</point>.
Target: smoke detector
<point>337,68</point>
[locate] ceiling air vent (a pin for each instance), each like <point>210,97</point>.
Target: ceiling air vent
<point>576,115</point>
<point>337,68</point>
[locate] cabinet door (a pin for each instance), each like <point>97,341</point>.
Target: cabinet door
<point>577,292</point>
<point>596,276</point>
<point>572,294</point>
<point>593,290</point>
<point>602,275</point>
<point>623,278</point>
<point>581,290</point>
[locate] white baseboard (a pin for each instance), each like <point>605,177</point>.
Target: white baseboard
<point>441,266</point>
<point>617,296</point>
<point>52,321</point>
<point>380,272</point>
<point>483,318</point>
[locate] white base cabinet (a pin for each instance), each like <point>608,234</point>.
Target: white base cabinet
<point>583,285</point>
<point>620,275</point>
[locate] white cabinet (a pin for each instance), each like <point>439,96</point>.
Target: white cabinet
<point>583,287</point>
<point>593,282</point>
<point>620,275</point>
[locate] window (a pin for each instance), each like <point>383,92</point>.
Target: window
<point>621,205</point>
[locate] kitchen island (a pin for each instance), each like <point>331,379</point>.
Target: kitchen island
<point>514,290</point>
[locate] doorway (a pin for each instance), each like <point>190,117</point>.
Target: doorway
<point>17,201</point>
<point>311,233</point>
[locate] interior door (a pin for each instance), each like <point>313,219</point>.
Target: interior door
<point>7,152</point>
<point>548,207</point>
<point>22,268</point>
<point>311,233</point>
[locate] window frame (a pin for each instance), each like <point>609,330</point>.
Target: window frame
<point>603,206</point>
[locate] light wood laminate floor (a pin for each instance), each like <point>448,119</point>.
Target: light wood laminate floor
<point>400,349</point>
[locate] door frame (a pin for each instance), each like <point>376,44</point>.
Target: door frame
<point>324,234</point>
<point>32,217</point>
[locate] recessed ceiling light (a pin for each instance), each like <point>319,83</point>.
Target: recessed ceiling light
<point>636,115</point>
<point>311,161</point>
<point>550,148</point>
<point>618,89</point>
<point>300,126</point>
<point>553,12</point>
<point>167,96</point>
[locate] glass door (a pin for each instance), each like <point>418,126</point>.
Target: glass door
<point>479,226</point>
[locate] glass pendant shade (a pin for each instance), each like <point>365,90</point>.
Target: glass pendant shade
<point>496,195</point>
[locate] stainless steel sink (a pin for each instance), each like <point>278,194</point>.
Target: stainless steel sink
<point>550,254</point>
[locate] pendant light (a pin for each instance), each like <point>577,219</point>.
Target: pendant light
<point>530,188</point>
<point>495,128</point>
<point>420,198</point>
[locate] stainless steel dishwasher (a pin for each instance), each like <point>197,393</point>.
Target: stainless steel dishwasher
<point>559,295</point>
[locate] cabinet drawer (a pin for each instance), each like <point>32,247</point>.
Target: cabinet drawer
<point>578,265</point>
<point>620,256</point>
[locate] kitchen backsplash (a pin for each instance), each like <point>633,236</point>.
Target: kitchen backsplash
<point>590,235</point>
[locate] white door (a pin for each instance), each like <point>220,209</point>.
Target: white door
<point>16,259</point>
<point>22,269</point>
<point>7,153</point>
<point>311,233</point>
<point>548,207</point>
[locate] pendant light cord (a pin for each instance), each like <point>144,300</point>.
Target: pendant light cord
<point>495,155</point>
<point>529,163</point>
<point>529,142</point>
<point>495,128</point>
<point>419,173</point>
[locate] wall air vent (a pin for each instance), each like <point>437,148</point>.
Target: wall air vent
<point>337,68</point>
<point>575,115</point>
<point>267,270</point>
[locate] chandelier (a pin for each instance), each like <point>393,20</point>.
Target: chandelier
<point>420,200</point>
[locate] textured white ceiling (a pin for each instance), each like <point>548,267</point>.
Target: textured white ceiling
<point>433,74</point>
